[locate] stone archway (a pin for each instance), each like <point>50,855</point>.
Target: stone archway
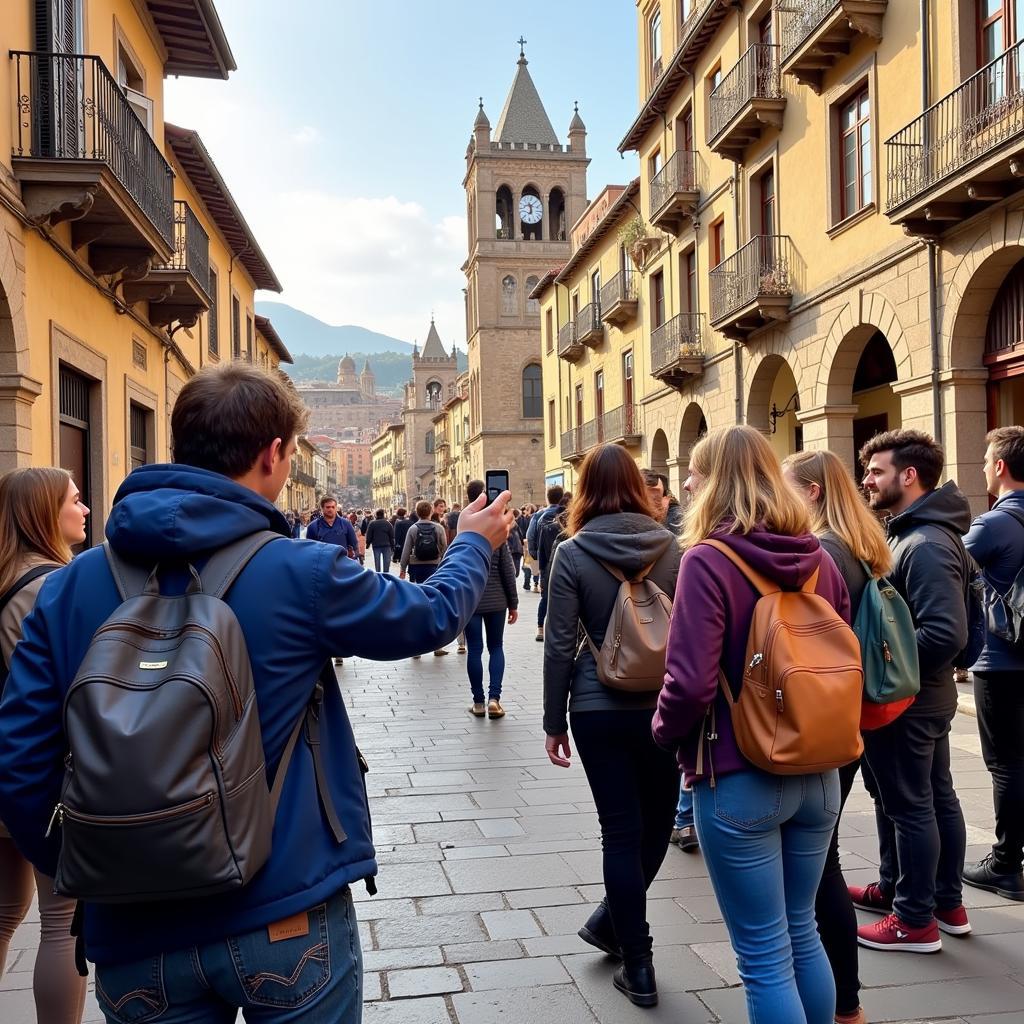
<point>692,427</point>
<point>774,399</point>
<point>18,390</point>
<point>659,452</point>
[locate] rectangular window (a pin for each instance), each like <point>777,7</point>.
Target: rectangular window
<point>236,329</point>
<point>595,286</point>
<point>549,330</point>
<point>716,235</point>
<point>657,299</point>
<point>764,30</point>
<point>854,155</point>
<point>654,43</point>
<point>767,196</point>
<point>140,431</point>
<point>684,131</point>
<point>654,164</point>
<point>213,341</point>
<point>714,79</point>
<point>551,423</point>
<point>75,430</point>
<point>579,405</point>
<point>248,338</point>
<point>599,394</point>
<point>688,281</point>
<point>627,386</point>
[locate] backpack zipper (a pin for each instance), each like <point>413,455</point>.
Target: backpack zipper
<point>62,810</point>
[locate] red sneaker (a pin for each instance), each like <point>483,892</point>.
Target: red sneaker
<point>892,934</point>
<point>953,922</point>
<point>870,897</point>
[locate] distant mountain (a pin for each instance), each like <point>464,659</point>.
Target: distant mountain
<point>305,334</point>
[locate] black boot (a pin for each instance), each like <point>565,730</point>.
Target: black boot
<point>634,978</point>
<point>600,932</point>
<point>986,875</point>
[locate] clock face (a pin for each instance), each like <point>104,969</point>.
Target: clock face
<point>530,210</point>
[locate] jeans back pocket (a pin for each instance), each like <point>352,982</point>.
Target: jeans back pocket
<point>132,993</point>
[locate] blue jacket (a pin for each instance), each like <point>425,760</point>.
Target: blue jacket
<point>340,532</point>
<point>298,604</point>
<point>996,542</point>
<point>537,520</point>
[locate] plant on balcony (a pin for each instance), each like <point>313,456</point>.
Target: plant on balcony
<point>775,282</point>
<point>637,240</point>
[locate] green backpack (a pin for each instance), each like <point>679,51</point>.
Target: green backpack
<point>888,643</point>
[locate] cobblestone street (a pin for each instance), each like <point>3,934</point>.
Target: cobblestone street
<point>490,861</point>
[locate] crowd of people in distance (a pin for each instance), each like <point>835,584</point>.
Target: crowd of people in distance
<point>656,644</point>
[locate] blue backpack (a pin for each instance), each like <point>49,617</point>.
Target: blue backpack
<point>888,643</point>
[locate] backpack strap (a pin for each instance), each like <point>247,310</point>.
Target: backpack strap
<point>761,583</point>
<point>1010,511</point>
<point>24,580</point>
<point>224,565</point>
<point>130,577</point>
<point>621,576</point>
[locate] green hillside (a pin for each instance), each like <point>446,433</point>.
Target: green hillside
<point>392,369</point>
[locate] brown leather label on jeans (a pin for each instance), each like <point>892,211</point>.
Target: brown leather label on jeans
<point>289,928</point>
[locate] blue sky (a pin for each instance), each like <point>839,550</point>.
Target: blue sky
<point>343,135</point>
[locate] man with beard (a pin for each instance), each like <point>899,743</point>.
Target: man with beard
<point>922,837</point>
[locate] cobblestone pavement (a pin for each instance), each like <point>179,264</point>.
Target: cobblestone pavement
<point>490,861</point>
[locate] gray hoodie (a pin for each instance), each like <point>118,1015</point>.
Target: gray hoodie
<point>582,591</point>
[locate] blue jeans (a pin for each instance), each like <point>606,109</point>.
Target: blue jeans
<point>381,558</point>
<point>494,623</point>
<point>764,839</point>
<point>315,977</point>
<point>684,809</point>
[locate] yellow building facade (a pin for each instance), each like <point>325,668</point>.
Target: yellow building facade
<point>451,445</point>
<point>121,271</point>
<point>387,453</point>
<point>827,242</point>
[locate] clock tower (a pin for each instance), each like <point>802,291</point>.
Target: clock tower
<point>524,191</point>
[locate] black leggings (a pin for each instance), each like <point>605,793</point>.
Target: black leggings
<point>636,786</point>
<point>837,920</point>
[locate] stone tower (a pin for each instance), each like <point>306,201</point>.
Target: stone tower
<point>524,191</point>
<point>367,381</point>
<point>347,374</point>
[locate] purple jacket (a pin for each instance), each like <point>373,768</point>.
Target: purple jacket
<point>711,615</point>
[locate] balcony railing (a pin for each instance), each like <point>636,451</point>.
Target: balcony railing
<point>760,270</point>
<point>677,345</point>
<point>589,326</point>
<point>568,346</point>
<point>755,76</point>
<point>974,120</point>
<point>619,298</point>
<point>678,175</point>
<point>620,425</point>
<point>570,443</point>
<point>70,107</point>
<point>799,18</point>
<point>191,245</point>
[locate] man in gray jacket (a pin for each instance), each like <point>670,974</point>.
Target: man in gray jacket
<point>996,542</point>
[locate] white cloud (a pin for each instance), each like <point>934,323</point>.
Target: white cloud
<point>306,135</point>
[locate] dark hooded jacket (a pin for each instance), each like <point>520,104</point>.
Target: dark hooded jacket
<point>582,591</point>
<point>931,569</point>
<point>298,604</point>
<point>714,604</point>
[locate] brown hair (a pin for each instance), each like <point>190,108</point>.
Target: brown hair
<point>423,509</point>
<point>1008,445</point>
<point>609,482</point>
<point>909,448</point>
<point>30,504</point>
<point>227,414</point>
<point>840,508</point>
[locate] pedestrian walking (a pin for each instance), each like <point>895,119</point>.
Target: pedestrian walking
<point>380,537</point>
<point>996,542</point>
<point>854,539</point>
<point>41,517</point>
<point>402,524</point>
<point>498,604</point>
<point>523,526</point>
<point>360,536</point>
<point>451,521</point>
<point>633,781</point>
<point>330,528</point>
<point>284,945</point>
<point>515,546</point>
<point>921,832</point>
<point>764,836</point>
<point>550,534</point>
<point>423,550</point>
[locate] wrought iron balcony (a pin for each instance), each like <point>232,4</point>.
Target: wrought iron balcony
<point>816,33</point>
<point>619,298</point>
<point>675,192</point>
<point>962,153</point>
<point>571,443</point>
<point>589,326</point>
<point>304,478</point>
<point>178,291</point>
<point>82,155</point>
<point>677,349</point>
<point>620,426</point>
<point>568,346</point>
<point>747,100</point>
<point>753,287</point>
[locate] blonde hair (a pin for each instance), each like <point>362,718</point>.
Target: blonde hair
<point>840,508</point>
<point>30,504</point>
<point>743,483</point>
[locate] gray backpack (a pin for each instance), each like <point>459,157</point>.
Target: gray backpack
<point>165,793</point>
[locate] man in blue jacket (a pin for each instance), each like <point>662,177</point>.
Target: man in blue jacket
<point>331,528</point>
<point>284,946</point>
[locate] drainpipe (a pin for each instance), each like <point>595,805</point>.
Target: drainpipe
<point>737,350</point>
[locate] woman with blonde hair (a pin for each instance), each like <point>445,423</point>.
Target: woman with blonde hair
<point>764,836</point>
<point>41,516</point>
<point>856,541</point>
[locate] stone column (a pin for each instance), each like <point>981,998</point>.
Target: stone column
<point>829,428</point>
<point>17,393</point>
<point>965,423</point>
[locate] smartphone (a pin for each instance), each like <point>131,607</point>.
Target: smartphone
<point>495,481</point>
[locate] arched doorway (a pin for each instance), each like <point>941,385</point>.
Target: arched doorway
<point>659,452</point>
<point>1004,352</point>
<point>18,390</point>
<point>878,406</point>
<point>773,404</point>
<point>692,428</point>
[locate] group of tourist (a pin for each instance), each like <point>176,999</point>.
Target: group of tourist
<point>665,761</point>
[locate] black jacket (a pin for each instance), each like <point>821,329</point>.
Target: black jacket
<point>931,569</point>
<point>380,534</point>
<point>401,529</point>
<point>581,590</point>
<point>500,592</point>
<point>548,538</point>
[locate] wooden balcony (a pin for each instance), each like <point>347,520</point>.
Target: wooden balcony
<point>816,33</point>
<point>619,298</point>
<point>178,291</point>
<point>677,349</point>
<point>589,325</point>
<point>962,154</point>
<point>83,156</point>
<point>753,287</point>
<point>569,348</point>
<point>675,192</point>
<point>747,101</point>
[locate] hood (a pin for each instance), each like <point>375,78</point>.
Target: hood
<point>789,561</point>
<point>627,540</point>
<point>173,511</point>
<point>945,506</point>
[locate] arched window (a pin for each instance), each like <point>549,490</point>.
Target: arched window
<point>504,224</point>
<point>430,442</point>
<point>532,386</point>
<point>532,305</point>
<point>556,215</point>
<point>434,395</point>
<point>509,299</point>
